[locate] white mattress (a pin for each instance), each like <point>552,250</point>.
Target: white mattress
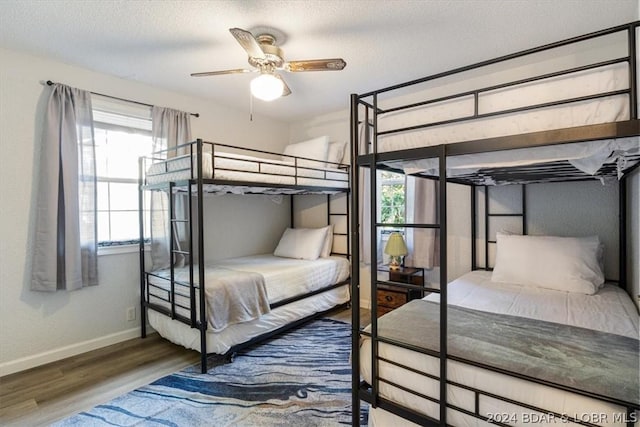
<point>284,277</point>
<point>602,110</point>
<point>237,167</point>
<point>221,342</point>
<point>609,310</point>
<point>586,156</point>
<point>475,290</point>
<point>287,277</point>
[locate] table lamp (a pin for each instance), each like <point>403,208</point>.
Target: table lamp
<point>395,248</point>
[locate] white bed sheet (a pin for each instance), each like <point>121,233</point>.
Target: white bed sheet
<point>475,290</point>
<point>284,278</point>
<point>586,156</point>
<point>602,110</point>
<point>247,168</point>
<point>609,310</point>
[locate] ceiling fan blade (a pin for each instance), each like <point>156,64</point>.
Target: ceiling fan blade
<point>248,42</point>
<point>335,64</point>
<point>219,73</point>
<point>285,90</point>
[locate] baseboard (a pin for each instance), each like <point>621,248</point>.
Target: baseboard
<point>33,361</point>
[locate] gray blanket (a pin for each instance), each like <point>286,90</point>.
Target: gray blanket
<point>231,296</point>
<point>234,297</point>
<point>582,359</point>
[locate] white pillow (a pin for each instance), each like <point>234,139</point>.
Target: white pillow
<point>336,153</point>
<point>328,242</point>
<point>301,243</point>
<point>570,264</point>
<point>317,148</point>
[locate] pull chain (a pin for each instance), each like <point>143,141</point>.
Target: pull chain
<point>250,106</point>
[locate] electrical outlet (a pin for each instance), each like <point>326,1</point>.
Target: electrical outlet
<point>131,314</point>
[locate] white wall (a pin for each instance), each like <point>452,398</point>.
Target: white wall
<point>40,327</point>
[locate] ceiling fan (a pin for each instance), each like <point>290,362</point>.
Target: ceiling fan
<point>267,58</point>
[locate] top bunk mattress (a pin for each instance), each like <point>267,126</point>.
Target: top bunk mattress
<point>244,168</point>
<point>495,113</point>
<point>606,109</point>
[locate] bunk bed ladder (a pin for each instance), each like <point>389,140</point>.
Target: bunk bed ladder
<point>332,201</point>
<point>176,249</point>
<point>487,222</point>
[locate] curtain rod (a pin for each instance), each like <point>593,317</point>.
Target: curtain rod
<point>49,83</point>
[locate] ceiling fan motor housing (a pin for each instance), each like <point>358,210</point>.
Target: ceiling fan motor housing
<point>273,54</point>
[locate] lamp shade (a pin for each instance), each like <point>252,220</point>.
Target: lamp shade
<point>395,245</point>
<point>267,87</point>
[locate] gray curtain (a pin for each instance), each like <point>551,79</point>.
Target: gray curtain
<point>170,128</point>
<point>421,208</point>
<point>65,247</point>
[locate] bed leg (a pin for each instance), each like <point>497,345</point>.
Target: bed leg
<point>203,363</point>
<point>229,357</point>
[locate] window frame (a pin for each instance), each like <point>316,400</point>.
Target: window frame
<point>119,116</point>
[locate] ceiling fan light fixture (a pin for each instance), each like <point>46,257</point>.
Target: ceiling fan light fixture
<point>267,87</point>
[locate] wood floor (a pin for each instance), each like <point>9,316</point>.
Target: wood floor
<point>48,393</point>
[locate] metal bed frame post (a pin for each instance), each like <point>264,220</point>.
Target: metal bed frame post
<point>291,210</point>
<point>633,87</point>
<point>443,283</point>
<point>486,227</point>
<point>203,309</point>
<point>622,231</point>
<point>172,283</point>
<point>622,183</point>
<point>355,267</point>
<point>524,209</point>
<point>474,230</point>
<point>143,311</point>
<point>373,215</point>
<point>192,288</point>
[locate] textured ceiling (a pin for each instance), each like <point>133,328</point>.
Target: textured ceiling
<point>384,42</point>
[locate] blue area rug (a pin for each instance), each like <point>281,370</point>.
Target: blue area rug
<point>300,378</point>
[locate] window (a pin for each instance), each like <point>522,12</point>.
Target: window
<point>122,135</point>
<point>392,197</point>
<point>391,206</point>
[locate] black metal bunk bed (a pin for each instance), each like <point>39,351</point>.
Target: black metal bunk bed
<point>211,168</point>
<point>367,110</point>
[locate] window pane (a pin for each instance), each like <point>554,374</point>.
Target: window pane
<point>101,152</point>
<point>103,227</point>
<point>124,196</point>
<point>124,226</point>
<point>103,196</point>
<point>123,151</point>
<point>392,203</point>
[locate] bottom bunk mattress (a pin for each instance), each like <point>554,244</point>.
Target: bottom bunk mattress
<point>585,374</point>
<point>250,284</point>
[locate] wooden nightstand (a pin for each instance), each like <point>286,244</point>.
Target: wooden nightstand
<point>390,297</point>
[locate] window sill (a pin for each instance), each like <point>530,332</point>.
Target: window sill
<point>120,249</point>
